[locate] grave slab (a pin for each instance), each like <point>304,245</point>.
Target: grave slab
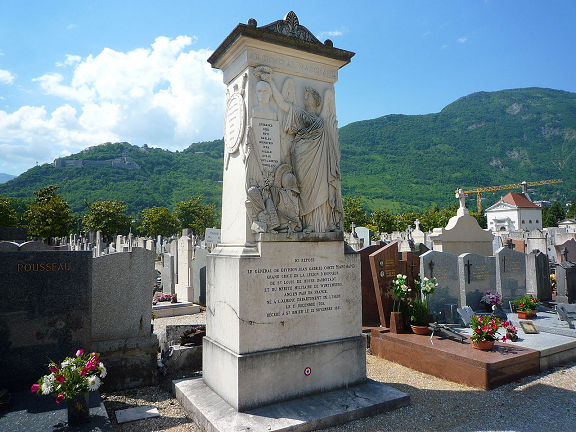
<point>457,361</point>
<point>166,309</point>
<point>138,413</point>
<point>320,411</point>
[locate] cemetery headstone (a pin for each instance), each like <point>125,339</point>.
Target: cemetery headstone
<point>537,239</point>
<point>566,282</point>
<point>370,315</point>
<point>477,274</point>
<point>538,275</point>
<point>365,234</point>
<point>199,275</point>
<point>384,266</point>
<point>443,267</point>
<point>570,247</point>
<point>510,273</point>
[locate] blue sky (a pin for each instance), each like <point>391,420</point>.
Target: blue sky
<point>75,74</point>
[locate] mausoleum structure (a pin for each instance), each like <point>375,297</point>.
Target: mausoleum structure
<point>283,290</point>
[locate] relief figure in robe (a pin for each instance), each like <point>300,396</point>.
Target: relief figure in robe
<point>315,157</point>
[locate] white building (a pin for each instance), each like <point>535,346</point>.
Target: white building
<point>514,212</point>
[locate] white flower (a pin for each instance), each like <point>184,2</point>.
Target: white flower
<point>65,363</point>
<point>398,276</point>
<point>425,279</point>
<point>93,383</point>
<point>46,387</point>
<point>103,370</point>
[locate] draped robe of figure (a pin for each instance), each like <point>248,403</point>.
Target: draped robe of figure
<point>316,165</point>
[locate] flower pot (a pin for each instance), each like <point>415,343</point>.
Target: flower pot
<point>396,322</point>
<point>79,409</point>
<point>420,330</point>
<point>483,345</point>
<point>526,314</point>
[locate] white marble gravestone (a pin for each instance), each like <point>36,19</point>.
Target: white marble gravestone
<point>283,292</point>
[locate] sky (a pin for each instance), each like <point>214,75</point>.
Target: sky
<point>75,74</point>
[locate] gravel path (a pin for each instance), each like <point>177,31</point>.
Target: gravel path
<point>545,402</point>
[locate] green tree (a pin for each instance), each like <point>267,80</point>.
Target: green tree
<point>383,220</point>
<point>551,216</point>
<point>405,219</point>
<point>106,216</point>
<point>354,212</point>
<point>196,216</point>
<point>8,216</point>
<point>158,221</point>
<point>49,216</point>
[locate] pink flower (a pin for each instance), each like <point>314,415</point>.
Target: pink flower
<point>53,369</point>
<point>84,371</point>
<point>79,352</point>
<point>59,398</point>
<point>34,388</point>
<point>60,378</point>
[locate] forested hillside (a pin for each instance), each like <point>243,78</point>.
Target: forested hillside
<point>395,162</point>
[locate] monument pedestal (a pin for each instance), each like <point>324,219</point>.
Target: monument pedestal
<point>283,320</point>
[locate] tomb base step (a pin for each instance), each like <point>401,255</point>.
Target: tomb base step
<point>456,361</point>
<point>212,413</point>
<point>166,309</point>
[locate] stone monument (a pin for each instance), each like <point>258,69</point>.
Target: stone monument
<point>283,290</point>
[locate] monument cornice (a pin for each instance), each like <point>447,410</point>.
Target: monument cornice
<point>266,35</point>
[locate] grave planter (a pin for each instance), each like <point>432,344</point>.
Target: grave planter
<point>78,409</point>
<point>420,330</point>
<point>483,345</point>
<point>526,314</point>
<point>396,322</point>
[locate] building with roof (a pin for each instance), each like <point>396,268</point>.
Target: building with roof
<point>514,212</point>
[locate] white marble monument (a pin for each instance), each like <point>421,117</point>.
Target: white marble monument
<point>283,291</point>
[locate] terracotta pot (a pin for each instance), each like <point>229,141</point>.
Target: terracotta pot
<point>420,330</point>
<point>483,345</point>
<point>526,315</point>
<point>396,322</point>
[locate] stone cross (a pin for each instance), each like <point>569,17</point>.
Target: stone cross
<point>510,244</point>
<point>504,264</point>
<point>461,197</point>
<point>431,265</point>
<point>468,269</point>
<point>565,254</point>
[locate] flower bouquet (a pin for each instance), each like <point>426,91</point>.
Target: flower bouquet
<point>400,291</point>
<point>484,331</point>
<point>70,379</point>
<point>511,332</point>
<point>490,300</point>
<point>419,307</point>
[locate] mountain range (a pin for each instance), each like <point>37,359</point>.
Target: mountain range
<point>395,162</point>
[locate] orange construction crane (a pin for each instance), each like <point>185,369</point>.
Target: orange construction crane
<point>524,185</point>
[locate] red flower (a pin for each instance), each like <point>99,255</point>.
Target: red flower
<point>477,330</point>
<point>53,369</point>
<point>521,304</point>
<point>59,398</point>
<point>79,352</point>
<point>34,388</point>
<point>60,378</point>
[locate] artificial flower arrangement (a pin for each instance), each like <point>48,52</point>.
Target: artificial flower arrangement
<point>485,328</point>
<point>527,303</point>
<point>511,332</point>
<point>75,375</point>
<point>491,299</point>
<point>400,290</point>
<point>163,298</point>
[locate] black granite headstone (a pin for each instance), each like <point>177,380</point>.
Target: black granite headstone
<point>44,311</point>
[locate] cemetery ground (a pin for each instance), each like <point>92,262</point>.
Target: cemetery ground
<point>539,402</point>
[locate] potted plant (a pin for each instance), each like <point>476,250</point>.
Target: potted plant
<point>71,380</point>
<point>511,332</point>
<point>400,290</point>
<point>489,300</point>
<point>526,306</point>
<point>484,331</point>
<point>419,314</point>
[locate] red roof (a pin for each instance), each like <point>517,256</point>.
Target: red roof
<point>518,199</point>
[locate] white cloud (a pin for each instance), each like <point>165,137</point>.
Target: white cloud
<point>332,33</point>
<point>6,77</point>
<point>166,96</point>
<point>71,60</point>
<point>71,26</point>
<point>463,39</point>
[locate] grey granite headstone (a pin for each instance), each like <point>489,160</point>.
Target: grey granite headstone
<point>477,274</point>
<point>199,275</point>
<point>538,275</point>
<point>444,267</point>
<point>168,274</point>
<point>510,273</point>
<point>566,282</point>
